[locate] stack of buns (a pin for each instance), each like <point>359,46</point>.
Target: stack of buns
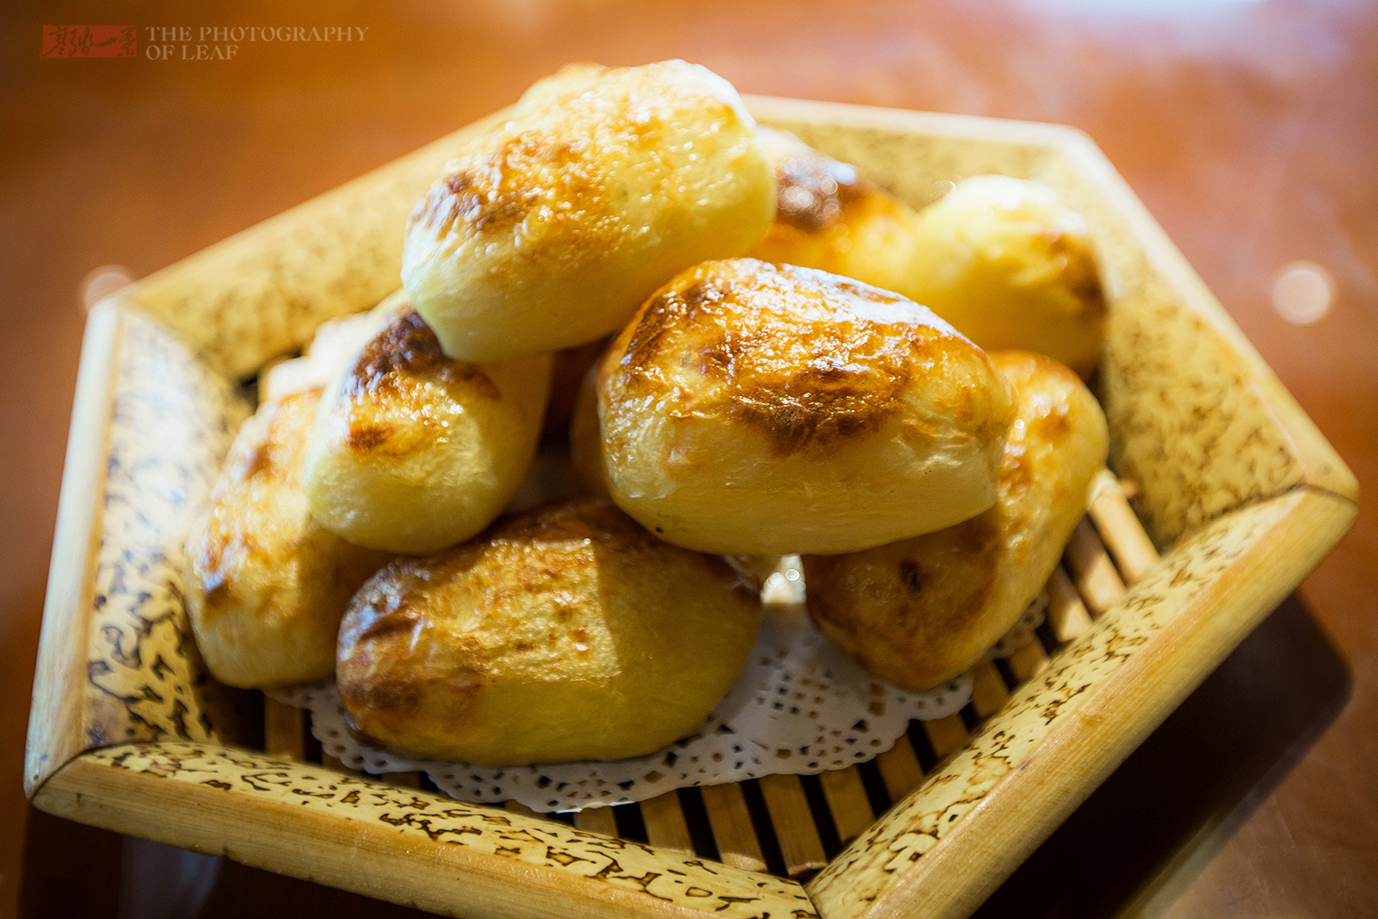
<point>797,366</point>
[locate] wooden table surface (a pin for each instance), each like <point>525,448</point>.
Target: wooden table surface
<point>1250,130</point>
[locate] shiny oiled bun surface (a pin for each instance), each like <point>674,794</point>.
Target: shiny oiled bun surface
<point>267,585</point>
<point>565,633</point>
<point>920,611</point>
<point>1011,266</point>
<point>551,229</point>
<point>755,409</point>
<point>413,451</point>
<point>828,217</point>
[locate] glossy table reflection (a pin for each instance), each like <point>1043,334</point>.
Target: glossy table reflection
<point>1250,130</point>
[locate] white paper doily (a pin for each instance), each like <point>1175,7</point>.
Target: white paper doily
<point>801,705</point>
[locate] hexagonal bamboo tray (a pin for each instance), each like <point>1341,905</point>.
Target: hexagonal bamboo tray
<point>1232,483</point>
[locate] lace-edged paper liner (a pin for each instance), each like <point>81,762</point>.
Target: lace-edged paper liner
<point>801,705</point>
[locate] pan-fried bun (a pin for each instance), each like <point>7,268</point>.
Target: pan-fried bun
<point>565,633</point>
<point>920,611</point>
<point>1011,266</point>
<point>412,451</point>
<point>266,584</point>
<point>828,217</point>
<point>755,409</point>
<point>551,229</point>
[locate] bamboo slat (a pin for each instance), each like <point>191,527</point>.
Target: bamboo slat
<point>988,692</point>
<point>284,730</point>
<point>1028,662</point>
<point>1067,616</point>
<point>665,823</point>
<point>597,820</point>
<point>899,769</point>
<point>516,807</point>
<point>1092,570</point>
<point>414,847</point>
<point>946,735</point>
<point>847,802</point>
<point>1120,529</point>
<point>794,826</point>
<point>732,829</point>
<point>57,728</point>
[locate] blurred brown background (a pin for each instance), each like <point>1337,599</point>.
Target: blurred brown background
<point>1250,130</point>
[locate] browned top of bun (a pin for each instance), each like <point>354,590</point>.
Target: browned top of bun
<point>550,163</point>
<point>808,359</point>
<point>501,181</point>
<point>385,388</point>
<point>812,191</point>
<point>1047,392</point>
<point>258,526</point>
<point>510,540</point>
<point>262,468</point>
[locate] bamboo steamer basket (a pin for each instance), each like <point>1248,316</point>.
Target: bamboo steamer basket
<point>1236,497</point>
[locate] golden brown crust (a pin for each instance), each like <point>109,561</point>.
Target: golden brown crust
<point>416,451</point>
<point>550,230</point>
<point>387,387</point>
<point>505,177</point>
<point>758,409</point>
<point>1080,275</point>
<point>406,347</point>
<point>812,192</point>
<point>808,360</point>
<point>266,585</point>
<point>1009,264</point>
<point>828,217</point>
<point>546,614</point>
<point>931,590</point>
<point>498,186</point>
<point>919,611</point>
